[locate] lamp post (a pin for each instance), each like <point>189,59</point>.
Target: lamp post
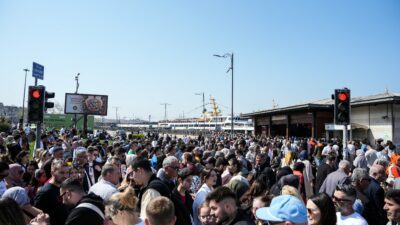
<point>230,69</point>
<point>23,100</point>
<point>76,92</point>
<point>204,111</point>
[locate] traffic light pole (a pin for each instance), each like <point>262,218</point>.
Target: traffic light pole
<point>38,130</point>
<point>345,150</point>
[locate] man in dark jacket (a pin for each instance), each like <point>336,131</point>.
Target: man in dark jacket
<point>92,168</point>
<point>151,187</point>
<point>375,214</point>
<point>222,202</point>
<point>181,192</point>
<point>87,209</point>
<point>324,170</point>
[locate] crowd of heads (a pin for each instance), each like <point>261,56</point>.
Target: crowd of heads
<point>220,178</point>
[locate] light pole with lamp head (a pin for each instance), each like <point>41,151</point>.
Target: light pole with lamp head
<point>23,101</point>
<point>230,69</point>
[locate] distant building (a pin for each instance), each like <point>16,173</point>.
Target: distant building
<point>13,113</point>
<point>372,117</point>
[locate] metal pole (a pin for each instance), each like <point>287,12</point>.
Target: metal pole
<point>23,99</point>
<point>165,109</point>
<point>232,96</point>
<point>231,68</point>
<point>38,129</point>
<point>76,92</point>
<point>116,114</point>
<point>204,115</point>
<point>345,150</point>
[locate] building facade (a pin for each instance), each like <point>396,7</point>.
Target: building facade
<point>372,117</point>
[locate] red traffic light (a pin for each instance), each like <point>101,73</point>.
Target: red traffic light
<point>36,94</point>
<point>343,96</point>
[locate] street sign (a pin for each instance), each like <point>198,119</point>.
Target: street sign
<point>331,126</point>
<point>37,71</point>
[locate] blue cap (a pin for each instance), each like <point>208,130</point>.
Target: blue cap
<point>284,208</point>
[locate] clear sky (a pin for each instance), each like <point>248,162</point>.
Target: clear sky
<point>143,53</point>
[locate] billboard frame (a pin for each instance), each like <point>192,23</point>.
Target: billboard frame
<point>86,95</point>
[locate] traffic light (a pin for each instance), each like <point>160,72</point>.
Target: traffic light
<point>342,106</point>
<point>48,105</point>
<point>36,104</point>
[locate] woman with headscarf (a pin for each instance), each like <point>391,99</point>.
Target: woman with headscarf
<point>19,195</point>
<point>360,161</point>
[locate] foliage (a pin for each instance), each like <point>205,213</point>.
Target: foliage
<point>136,136</point>
<point>5,125</point>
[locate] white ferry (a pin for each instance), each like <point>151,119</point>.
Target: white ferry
<point>211,121</point>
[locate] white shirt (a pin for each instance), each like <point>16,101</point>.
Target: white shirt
<point>200,198</point>
<point>104,189</point>
<point>353,219</point>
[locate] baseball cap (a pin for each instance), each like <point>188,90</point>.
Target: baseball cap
<point>55,149</point>
<point>284,208</point>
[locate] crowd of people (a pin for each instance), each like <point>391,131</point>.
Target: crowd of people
<point>160,179</point>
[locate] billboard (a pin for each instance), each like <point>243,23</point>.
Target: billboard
<point>89,104</point>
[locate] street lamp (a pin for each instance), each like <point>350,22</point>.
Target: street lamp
<point>230,69</point>
<point>23,101</point>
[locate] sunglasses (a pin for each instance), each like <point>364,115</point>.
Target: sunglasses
<point>341,199</point>
<point>175,167</point>
<point>60,197</point>
<point>311,211</point>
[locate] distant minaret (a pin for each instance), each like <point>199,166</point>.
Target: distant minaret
<point>386,90</point>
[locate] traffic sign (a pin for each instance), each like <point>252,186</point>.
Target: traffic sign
<point>37,71</point>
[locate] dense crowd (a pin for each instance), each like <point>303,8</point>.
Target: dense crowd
<point>160,179</point>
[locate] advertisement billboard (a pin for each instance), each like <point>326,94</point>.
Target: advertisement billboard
<point>89,104</point>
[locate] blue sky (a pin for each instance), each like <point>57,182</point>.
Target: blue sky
<point>143,53</point>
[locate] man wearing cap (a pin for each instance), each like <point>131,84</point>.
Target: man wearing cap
<point>181,192</point>
<point>57,152</point>
<point>222,202</point>
<point>284,209</point>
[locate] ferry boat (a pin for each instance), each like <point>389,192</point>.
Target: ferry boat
<point>210,121</point>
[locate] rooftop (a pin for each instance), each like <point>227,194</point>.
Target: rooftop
<point>328,103</point>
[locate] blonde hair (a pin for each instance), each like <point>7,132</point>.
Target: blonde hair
<point>289,190</point>
<point>120,201</point>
